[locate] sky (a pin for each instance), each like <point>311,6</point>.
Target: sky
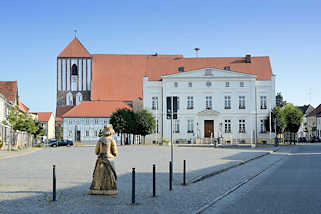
<point>33,33</point>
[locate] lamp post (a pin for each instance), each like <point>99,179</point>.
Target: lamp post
<point>221,131</point>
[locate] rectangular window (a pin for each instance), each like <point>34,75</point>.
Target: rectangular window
<point>96,121</point>
<point>227,126</point>
<point>262,126</point>
<point>241,102</point>
<point>241,126</point>
<point>190,127</point>
<point>190,102</point>
<point>70,133</point>
<point>155,103</point>
<point>263,102</point>
<point>87,133</point>
<point>227,84</point>
<point>70,122</point>
<point>177,103</point>
<point>242,84</point>
<point>227,102</point>
<point>105,122</point>
<point>208,102</point>
<point>87,122</point>
<point>176,126</point>
<point>157,127</point>
<point>96,133</point>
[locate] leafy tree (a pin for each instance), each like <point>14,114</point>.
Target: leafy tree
<point>293,117</point>
<point>145,123</point>
<point>123,121</point>
<point>278,117</point>
<point>22,122</point>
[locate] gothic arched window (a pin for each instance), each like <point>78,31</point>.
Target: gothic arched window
<point>69,99</point>
<point>78,98</point>
<point>74,70</point>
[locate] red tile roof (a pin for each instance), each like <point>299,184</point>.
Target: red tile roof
<point>95,109</point>
<point>10,90</point>
<point>74,49</point>
<point>121,76</point>
<point>316,112</point>
<point>22,106</point>
<point>44,116</point>
<point>61,110</point>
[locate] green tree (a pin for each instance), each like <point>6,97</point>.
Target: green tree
<point>22,122</point>
<point>278,117</point>
<point>123,121</point>
<point>293,117</point>
<point>145,123</point>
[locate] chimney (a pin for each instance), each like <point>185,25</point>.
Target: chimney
<point>228,68</point>
<point>248,58</point>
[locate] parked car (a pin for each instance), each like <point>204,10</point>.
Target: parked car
<point>315,139</point>
<point>62,143</point>
<point>302,139</point>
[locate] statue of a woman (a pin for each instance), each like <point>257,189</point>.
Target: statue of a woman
<point>104,176</point>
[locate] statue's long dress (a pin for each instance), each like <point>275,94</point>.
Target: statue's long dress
<point>104,176</point>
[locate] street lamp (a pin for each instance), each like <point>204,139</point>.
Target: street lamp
<point>221,131</point>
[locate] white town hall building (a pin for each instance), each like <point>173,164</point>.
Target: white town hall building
<point>212,103</point>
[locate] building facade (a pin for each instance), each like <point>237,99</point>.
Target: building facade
<point>212,103</point>
<point>83,122</point>
<point>305,128</point>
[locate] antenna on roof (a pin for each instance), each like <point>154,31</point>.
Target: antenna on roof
<point>196,51</point>
<point>75,33</point>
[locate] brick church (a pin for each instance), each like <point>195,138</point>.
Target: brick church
<point>94,85</point>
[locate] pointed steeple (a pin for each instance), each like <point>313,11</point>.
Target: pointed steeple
<point>75,49</point>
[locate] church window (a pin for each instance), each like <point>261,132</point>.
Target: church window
<point>74,70</point>
<point>69,100</point>
<point>78,98</point>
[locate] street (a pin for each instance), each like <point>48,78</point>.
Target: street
<point>291,186</point>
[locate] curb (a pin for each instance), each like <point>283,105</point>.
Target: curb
<point>202,177</point>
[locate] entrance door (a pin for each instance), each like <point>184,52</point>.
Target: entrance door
<point>208,128</point>
<point>78,135</point>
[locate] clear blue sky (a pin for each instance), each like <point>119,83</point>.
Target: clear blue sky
<point>34,32</point>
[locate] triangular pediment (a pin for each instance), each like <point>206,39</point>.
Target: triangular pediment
<point>208,112</point>
<point>74,49</point>
<point>209,73</point>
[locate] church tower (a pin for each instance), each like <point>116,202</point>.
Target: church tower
<point>74,72</point>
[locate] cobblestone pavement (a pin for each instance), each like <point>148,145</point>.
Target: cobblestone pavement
<point>26,181</point>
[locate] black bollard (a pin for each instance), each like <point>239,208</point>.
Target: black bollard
<point>154,180</point>
<point>184,173</point>
<point>133,186</point>
<point>170,175</point>
<point>54,184</point>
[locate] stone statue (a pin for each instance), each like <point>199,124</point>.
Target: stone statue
<point>104,176</point>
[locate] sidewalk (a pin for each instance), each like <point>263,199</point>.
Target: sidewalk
<point>74,175</point>
<point>11,154</point>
